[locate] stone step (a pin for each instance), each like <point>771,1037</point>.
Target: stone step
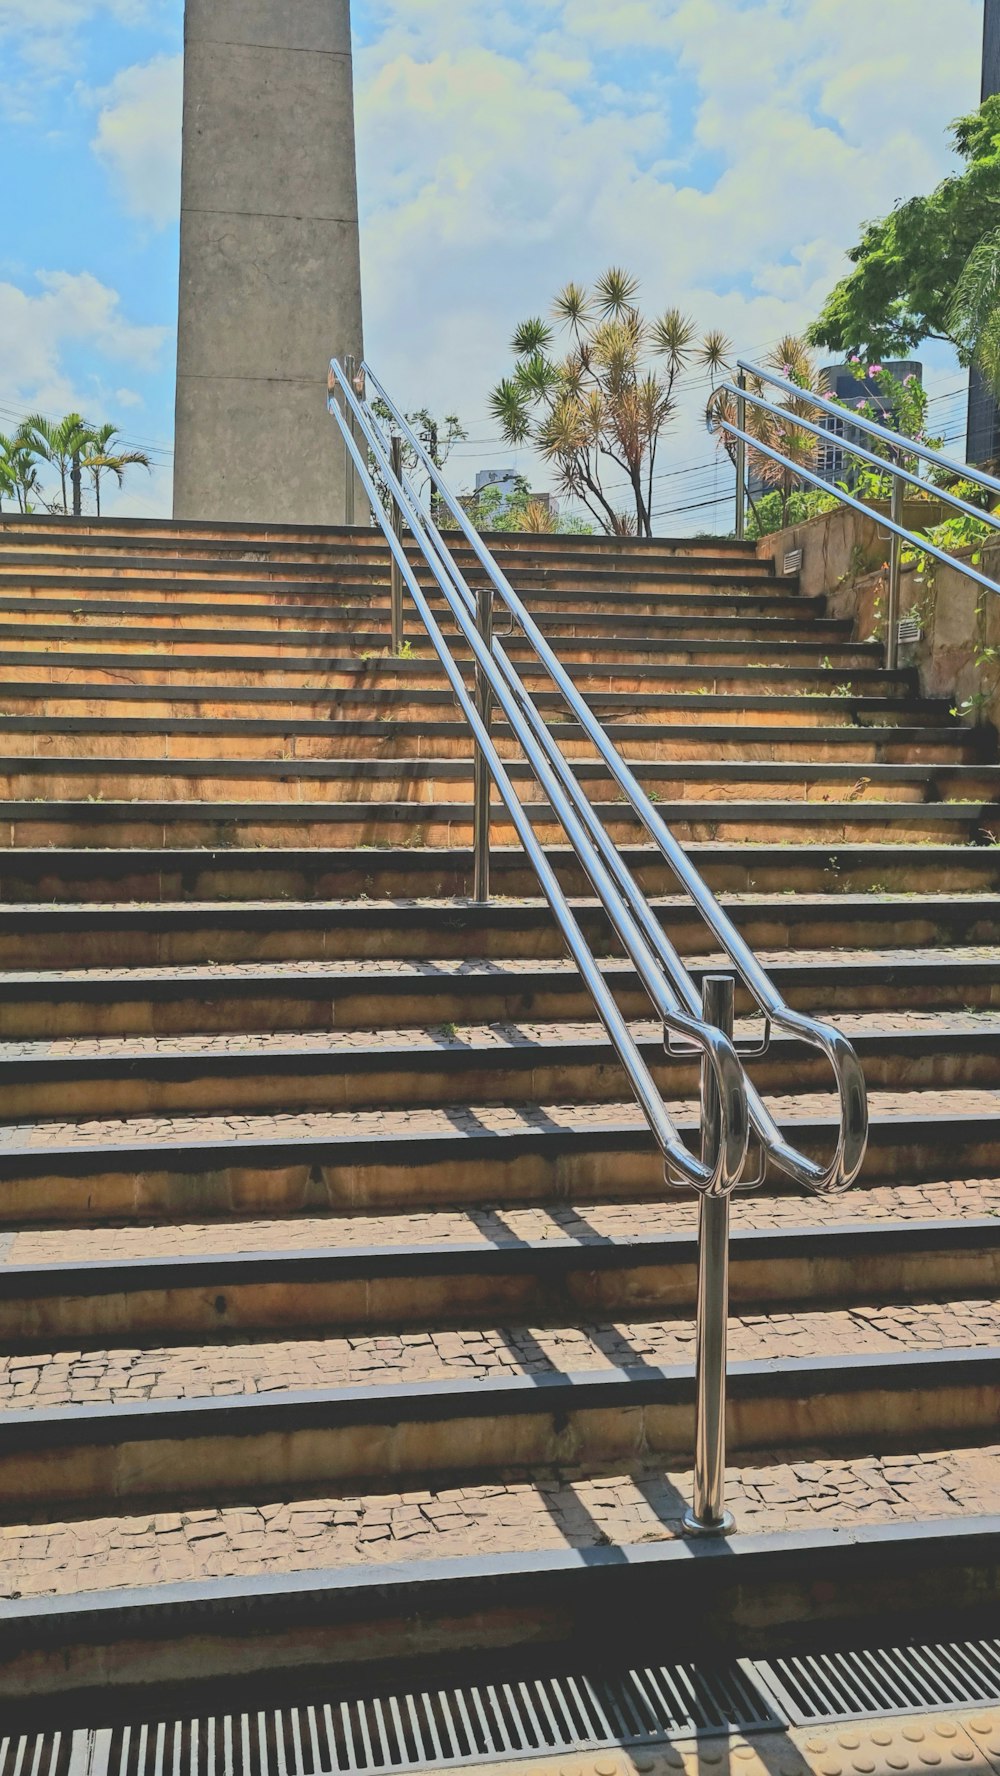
<point>251,824</point>
<point>150,536</point>
<point>193,1169</point>
<point>165,871</point>
<point>583,1320</point>
<point>749,618</point>
<point>391,1436</point>
<point>596,1225</point>
<point>441,780</point>
<point>213,1609</point>
<point>685,596</point>
<point>214,1297</point>
<point>161,934</point>
<point>632,588</point>
<point>302,647</point>
<point>292,704</point>
<point>389,994</point>
<point>228,737</point>
<point>83,1072</point>
<point>97,666</point>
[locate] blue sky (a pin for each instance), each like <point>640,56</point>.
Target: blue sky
<point>727,150</point>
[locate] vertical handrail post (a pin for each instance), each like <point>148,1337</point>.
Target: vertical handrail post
<point>484,704</point>
<point>708,1515</point>
<point>741,462</point>
<point>396,459</point>
<point>897,513</point>
<point>350,368</point>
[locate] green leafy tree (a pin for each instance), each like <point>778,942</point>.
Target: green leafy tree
<point>902,408</point>
<point>599,410</point>
<point>18,470</point>
<point>104,455</point>
<point>907,265</point>
<point>62,443</point>
<point>438,437</point>
<point>974,317</point>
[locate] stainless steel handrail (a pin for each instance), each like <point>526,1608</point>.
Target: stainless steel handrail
<point>912,446</point>
<point>724,1173</point>
<point>900,474</point>
<point>641,932</point>
<point>840,1173</point>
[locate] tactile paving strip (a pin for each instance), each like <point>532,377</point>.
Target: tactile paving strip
<point>889,1747</point>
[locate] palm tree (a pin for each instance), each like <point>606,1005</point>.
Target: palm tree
<point>103,458</point>
<point>974,320</point>
<point>61,443</point>
<point>18,470</point>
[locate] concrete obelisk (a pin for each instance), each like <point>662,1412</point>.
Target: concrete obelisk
<point>270,283</point>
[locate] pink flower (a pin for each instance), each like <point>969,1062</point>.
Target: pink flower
<point>855,360</point>
<point>874,369</point>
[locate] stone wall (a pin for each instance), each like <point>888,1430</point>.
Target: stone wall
<point>846,556</point>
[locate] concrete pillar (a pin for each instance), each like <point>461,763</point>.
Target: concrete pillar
<point>270,284</point>
<point>983,437</point>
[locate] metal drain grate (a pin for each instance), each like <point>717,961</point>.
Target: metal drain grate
<point>387,1731</point>
<point>437,1728</point>
<point>36,1754</point>
<point>881,1680</point>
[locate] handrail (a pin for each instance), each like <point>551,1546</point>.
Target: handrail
<point>900,474</point>
<point>660,969</point>
<point>966,471</point>
<point>887,467</point>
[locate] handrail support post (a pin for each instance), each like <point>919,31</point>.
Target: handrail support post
<point>483,785</point>
<point>350,370</point>
<point>396,580</point>
<point>708,1515</point>
<point>741,462</point>
<point>895,576</point>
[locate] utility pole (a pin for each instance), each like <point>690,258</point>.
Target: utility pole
<point>77,486</point>
<point>984,415</point>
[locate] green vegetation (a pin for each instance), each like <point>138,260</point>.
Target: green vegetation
<point>597,410</point>
<point>516,509</point>
<point>438,437</point>
<point>71,448</point>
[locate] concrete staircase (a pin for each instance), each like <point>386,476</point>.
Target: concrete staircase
<point>344,1316</point>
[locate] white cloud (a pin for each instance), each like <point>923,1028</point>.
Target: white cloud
<point>71,312</point>
<point>497,161</point>
<point>138,138</point>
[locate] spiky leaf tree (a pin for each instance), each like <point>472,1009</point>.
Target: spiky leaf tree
<point>794,361</point>
<point>597,406</point>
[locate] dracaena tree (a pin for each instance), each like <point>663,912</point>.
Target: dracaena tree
<point>782,432</point>
<point>594,391</point>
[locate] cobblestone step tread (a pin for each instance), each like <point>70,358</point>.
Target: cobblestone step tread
<point>265,1367</point>
<point>558,1509</point>
<point>955,956</point>
<point>962,1201</point>
<point>545,1042</point>
<point>452,1124</point>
